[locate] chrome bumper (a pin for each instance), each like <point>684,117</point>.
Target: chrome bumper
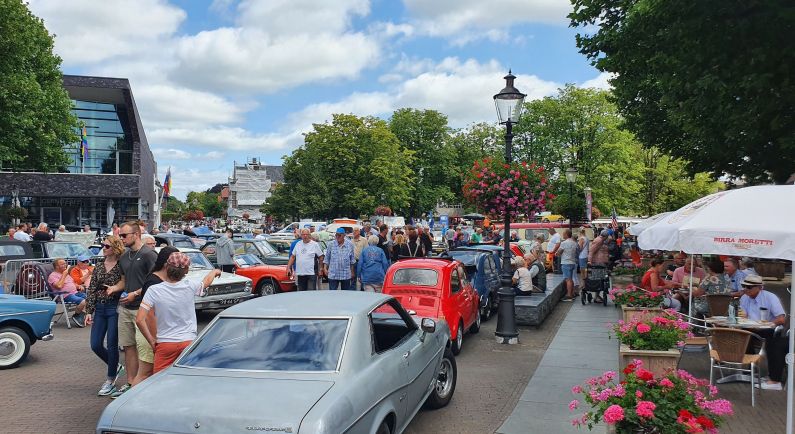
<point>223,303</point>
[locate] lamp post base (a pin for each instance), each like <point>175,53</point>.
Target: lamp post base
<point>507,340</point>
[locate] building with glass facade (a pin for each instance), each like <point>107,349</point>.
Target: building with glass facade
<point>113,181</point>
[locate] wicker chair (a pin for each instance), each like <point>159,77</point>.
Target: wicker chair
<point>727,351</point>
<point>719,304</point>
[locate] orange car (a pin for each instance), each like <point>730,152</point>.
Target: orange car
<point>266,279</point>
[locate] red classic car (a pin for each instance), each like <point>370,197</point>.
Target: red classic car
<point>436,288</point>
<point>266,279</point>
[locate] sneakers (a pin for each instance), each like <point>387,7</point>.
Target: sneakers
<point>120,392</point>
<point>568,299</point>
<point>770,386</point>
<point>107,388</point>
<point>79,319</point>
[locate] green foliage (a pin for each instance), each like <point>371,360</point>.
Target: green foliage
<point>569,206</point>
<point>36,121</point>
<point>667,185</point>
<point>345,168</point>
<point>207,203</point>
<point>708,81</point>
<point>468,145</point>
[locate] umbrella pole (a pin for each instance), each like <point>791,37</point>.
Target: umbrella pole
<point>790,366</point>
<point>690,292</point>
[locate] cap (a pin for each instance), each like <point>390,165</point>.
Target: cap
<point>604,233</point>
<point>340,231</point>
<point>84,258</point>
<point>752,280</point>
<point>178,260</point>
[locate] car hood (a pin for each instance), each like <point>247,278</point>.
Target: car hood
<point>178,403</point>
<point>224,278</point>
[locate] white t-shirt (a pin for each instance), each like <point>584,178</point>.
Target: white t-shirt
<point>22,236</point>
<point>524,278</point>
<point>305,257</point>
<point>174,309</point>
<point>554,240</point>
<point>568,249</point>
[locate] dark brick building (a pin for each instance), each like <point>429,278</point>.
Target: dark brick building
<point>115,177</point>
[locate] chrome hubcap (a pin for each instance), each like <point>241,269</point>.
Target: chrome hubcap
<point>7,348</point>
<point>460,338</point>
<point>444,382</point>
<point>11,348</point>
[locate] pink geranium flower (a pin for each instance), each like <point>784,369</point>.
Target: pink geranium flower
<point>645,409</point>
<point>643,328</point>
<point>614,414</point>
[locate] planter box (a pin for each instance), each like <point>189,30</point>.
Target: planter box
<point>658,362</point>
<point>633,313</point>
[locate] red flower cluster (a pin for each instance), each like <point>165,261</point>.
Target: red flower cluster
<point>499,188</point>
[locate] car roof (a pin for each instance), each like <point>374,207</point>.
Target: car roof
<point>181,249</point>
<point>309,304</point>
<point>435,263</point>
<point>167,235</point>
<point>482,248</point>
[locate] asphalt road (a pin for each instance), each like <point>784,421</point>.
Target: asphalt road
<point>55,390</point>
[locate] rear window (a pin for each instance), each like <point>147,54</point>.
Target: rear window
<point>270,345</point>
<point>11,250</point>
<point>415,276</point>
<point>66,250</point>
<point>184,243</point>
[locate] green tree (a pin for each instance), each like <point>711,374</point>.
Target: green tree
<point>346,168</point>
<point>708,81</point>
<point>207,203</point>
<point>36,120</point>
<point>173,210</point>
<point>425,133</point>
<point>281,205</point>
<point>467,146</point>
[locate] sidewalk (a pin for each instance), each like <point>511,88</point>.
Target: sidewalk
<point>581,349</point>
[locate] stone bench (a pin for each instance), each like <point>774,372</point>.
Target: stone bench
<point>532,310</point>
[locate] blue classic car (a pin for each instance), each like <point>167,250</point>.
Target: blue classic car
<point>483,270</point>
<point>22,323</point>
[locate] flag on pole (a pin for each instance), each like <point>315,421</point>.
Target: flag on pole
<point>167,184</point>
<point>614,222</point>
<point>83,144</point>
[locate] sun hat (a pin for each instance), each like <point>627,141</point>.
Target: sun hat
<point>83,258</point>
<point>752,280</point>
<point>340,231</point>
<point>604,233</point>
<point>178,260</point>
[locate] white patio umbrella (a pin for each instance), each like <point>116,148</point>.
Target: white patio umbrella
<point>751,221</point>
<point>637,228</point>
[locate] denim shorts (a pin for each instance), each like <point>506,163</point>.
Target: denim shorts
<point>568,270</point>
<point>583,263</point>
<point>75,298</point>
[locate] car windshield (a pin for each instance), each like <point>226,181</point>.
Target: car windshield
<point>247,260</point>
<point>198,261</point>
<point>66,250</point>
<point>266,247</point>
<point>415,276</point>
<point>11,250</point>
<point>468,258</point>
<point>270,344</point>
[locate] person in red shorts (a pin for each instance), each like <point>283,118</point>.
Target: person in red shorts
<point>171,302</point>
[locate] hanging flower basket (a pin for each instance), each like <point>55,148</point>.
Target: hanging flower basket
<point>383,210</point>
<point>498,188</point>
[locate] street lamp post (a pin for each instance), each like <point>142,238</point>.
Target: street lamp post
<point>509,103</point>
<point>571,177</point>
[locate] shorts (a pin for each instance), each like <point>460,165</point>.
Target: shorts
<point>127,327</point>
<point>373,287</point>
<point>306,282</point>
<point>166,353</point>
<point>145,351</point>
<point>76,298</point>
<point>568,270</point>
<point>583,263</point>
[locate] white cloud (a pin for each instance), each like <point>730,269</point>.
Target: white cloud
<point>90,31</point>
<point>230,138</point>
<point>166,105</point>
<point>467,20</point>
<point>246,59</point>
<point>171,154</point>
<point>290,17</point>
<point>185,179</point>
<point>600,82</point>
<point>360,104</point>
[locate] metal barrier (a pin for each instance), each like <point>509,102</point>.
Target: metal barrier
<point>28,277</point>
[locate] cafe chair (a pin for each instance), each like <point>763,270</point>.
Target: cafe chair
<point>727,351</point>
<point>719,304</point>
<point>698,342</point>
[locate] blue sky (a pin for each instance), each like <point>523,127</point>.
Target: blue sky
<point>218,81</point>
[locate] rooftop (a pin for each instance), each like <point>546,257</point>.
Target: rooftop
<point>309,304</point>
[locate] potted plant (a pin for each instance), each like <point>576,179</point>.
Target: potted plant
<point>644,403</point>
<point>634,301</point>
<point>499,188</point>
<point>654,339</point>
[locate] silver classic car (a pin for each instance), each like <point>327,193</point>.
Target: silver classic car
<point>303,362</point>
<point>226,290</point>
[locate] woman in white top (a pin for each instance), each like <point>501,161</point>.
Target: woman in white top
<point>584,244</point>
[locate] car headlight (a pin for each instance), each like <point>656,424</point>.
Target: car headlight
<point>248,286</point>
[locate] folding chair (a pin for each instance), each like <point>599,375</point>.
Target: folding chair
<point>719,304</point>
<point>67,309</point>
<point>727,351</point>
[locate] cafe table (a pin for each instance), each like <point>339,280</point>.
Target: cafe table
<point>742,323</point>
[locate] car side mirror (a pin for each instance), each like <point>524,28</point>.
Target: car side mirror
<point>428,325</point>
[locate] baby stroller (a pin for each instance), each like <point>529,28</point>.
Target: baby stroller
<point>598,281</point>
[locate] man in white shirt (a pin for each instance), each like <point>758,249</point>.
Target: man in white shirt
<point>306,255</point>
<point>754,302</point>
<point>21,235</point>
<point>552,249</point>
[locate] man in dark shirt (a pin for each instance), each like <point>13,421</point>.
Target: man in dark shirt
<point>383,242</point>
<point>136,263</point>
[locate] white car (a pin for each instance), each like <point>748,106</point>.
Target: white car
<point>226,290</point>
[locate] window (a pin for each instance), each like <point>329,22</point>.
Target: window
<point>390,324</point>
<point>463,275</point>
<point>270,344</point>
<point>184,243</point>
<point>415,276</point>
<point>108,144</point>
<point>455,283</point>
<point>11,250</point>
<point>197,260</point>
<point>66,250</point>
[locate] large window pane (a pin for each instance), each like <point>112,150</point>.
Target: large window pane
<point>107,130</point>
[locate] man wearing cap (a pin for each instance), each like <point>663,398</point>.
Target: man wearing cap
<point>81,274</point>
<point>339,262</point>
<point>756,301</point>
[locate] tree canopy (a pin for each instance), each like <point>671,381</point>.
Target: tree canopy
<point>711,82</point>
<point>36,120</point>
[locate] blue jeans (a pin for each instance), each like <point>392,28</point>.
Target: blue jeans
<point>344,285</point>
<point>568,270</point>
<point>106,324</point>
<point>75,298</point>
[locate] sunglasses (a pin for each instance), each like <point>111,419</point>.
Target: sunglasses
<point>106,246</point>
<point>121,235</point>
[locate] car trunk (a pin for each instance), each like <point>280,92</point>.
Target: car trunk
<point>424,301</point>
<point>186,403</point>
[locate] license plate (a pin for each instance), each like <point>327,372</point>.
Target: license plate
<point>229,301</point>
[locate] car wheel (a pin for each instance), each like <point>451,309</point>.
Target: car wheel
<point>383,428</point>
<point>475,327</point>
<point>459,339</point>
<point>14,347</point>
<point>445,382</point>
<point>267,287</point>
<point>485,312</point>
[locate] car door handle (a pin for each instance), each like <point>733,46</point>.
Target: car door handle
<point>406,356</point>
